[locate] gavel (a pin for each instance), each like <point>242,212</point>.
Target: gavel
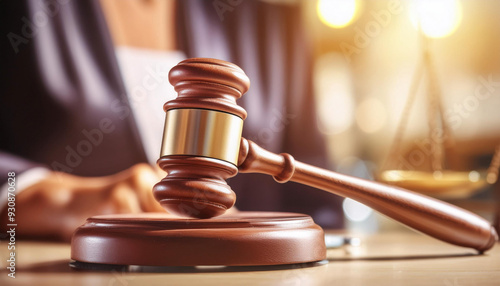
<point>203,146</point>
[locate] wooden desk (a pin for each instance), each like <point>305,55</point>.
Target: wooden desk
<point>400,258</point>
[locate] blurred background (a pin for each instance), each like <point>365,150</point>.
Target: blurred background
<point>367,55</point>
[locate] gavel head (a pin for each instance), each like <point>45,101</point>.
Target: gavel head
<point>201,139</point>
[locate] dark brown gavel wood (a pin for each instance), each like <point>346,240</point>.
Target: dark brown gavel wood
<point>427,215</point>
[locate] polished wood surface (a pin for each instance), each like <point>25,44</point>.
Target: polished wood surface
<point>397,258</point>
<point>195,186</point>
<point>208,84</point>
<point>236,239</point>
<point>425,214</point>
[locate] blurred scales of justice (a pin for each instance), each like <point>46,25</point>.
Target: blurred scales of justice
<point>438,182</point>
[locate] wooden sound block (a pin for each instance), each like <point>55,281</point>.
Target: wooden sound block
<point>160,239</point>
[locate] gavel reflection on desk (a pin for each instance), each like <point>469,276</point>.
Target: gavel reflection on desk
<point>202,147</point>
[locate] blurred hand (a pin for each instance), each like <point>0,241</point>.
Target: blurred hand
<point>54,207</point>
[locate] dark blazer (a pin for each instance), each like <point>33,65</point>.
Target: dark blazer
<point>63,103</point>
<point>60,84</point>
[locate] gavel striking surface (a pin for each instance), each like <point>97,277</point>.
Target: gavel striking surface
<point>161,239</point>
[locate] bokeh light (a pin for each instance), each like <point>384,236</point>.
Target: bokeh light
<point>333,84</point>
<point>436,18</point>
<point>355,211</point>
<point>336,13</point>
<point>371,115</point>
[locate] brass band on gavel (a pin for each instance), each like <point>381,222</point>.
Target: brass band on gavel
<point>202,132</point>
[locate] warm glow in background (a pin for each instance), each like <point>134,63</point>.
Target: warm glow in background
<point>366,56</point>
<point>436,18</point>
<point>336,13</point>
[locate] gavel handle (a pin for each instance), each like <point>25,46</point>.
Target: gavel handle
<point>430,216</point>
